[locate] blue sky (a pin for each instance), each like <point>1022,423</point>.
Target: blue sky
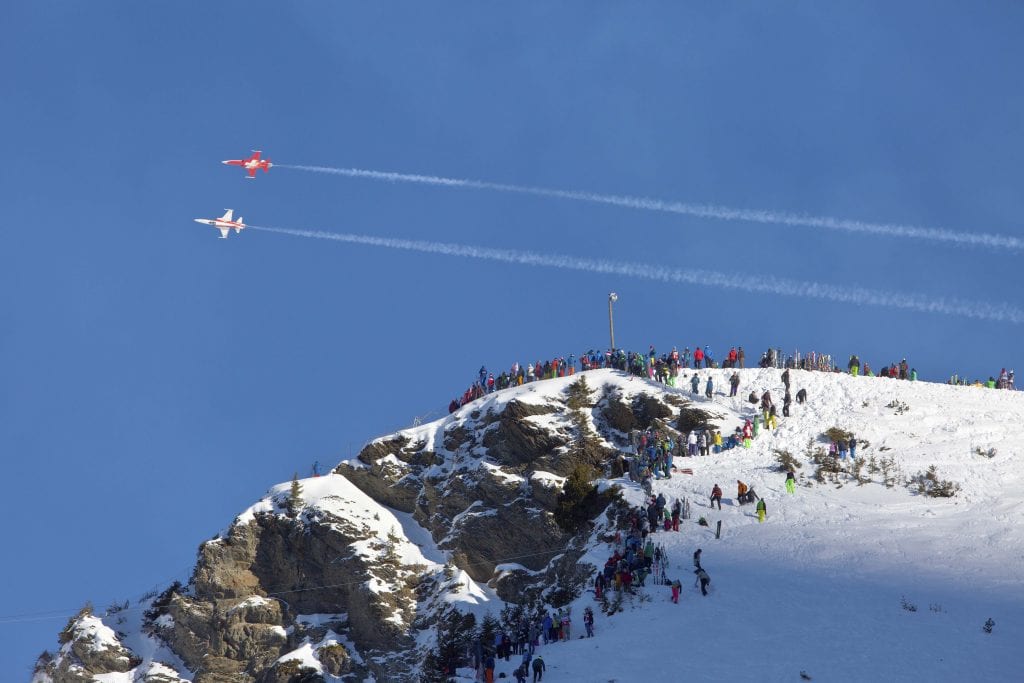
<point>158,380</point>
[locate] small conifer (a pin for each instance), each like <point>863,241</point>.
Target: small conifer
<point>295,502</point>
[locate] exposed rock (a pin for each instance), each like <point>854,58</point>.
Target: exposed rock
<point>385,483</point>
<point>514,441</point>
<point>291,671</point>
<point>335,658</point>
<point>476,494</point>
<point>90,648</point>
<point>484,540</point>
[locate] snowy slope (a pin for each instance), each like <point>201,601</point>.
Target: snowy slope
<point>816,588</point>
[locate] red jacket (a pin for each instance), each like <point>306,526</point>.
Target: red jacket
<point>698,354</point>
<point>716,492</point>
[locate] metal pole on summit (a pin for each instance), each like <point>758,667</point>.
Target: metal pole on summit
<point>612,298</point>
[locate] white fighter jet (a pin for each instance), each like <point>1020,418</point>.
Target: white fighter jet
<point>225,223</point>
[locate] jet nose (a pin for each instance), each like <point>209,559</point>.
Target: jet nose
<point>226,161</point>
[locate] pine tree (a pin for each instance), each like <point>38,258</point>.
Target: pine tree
<point>456,633</point>
<point>489,628</point>
<point>295,502</point>
<point>580,500</point>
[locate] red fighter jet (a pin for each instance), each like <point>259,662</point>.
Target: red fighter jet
<point>252,164</point>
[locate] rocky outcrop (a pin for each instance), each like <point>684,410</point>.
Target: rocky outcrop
<point>484,484</point>
<point>89,648</point>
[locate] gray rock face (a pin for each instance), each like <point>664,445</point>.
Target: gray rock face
<point>483,484</point>
<point>89,648</point>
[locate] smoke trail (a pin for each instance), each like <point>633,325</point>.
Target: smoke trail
<point>989,240</point>
<point>998,312</point>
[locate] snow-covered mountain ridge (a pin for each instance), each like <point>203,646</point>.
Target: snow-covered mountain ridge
<point>348,586</point>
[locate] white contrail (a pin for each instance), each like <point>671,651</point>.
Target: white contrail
<point>999,312</point>
<point>990,240</point>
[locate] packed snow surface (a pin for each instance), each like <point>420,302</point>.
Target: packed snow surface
<point>820,586</point>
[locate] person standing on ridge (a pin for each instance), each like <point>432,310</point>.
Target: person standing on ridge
<point>740,356</point>
<point>854,365</point>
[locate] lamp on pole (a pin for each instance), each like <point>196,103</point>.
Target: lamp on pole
<point>612,298</point>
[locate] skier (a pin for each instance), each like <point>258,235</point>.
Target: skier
<point>538,669</point>
<point>790,482</point>
<point>762,510</point>
<point>716,495</point>
<point>704,579</point>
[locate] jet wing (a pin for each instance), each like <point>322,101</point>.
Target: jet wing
<point>252,171</point>
<point>227,215</point>
<point>224,233</point>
